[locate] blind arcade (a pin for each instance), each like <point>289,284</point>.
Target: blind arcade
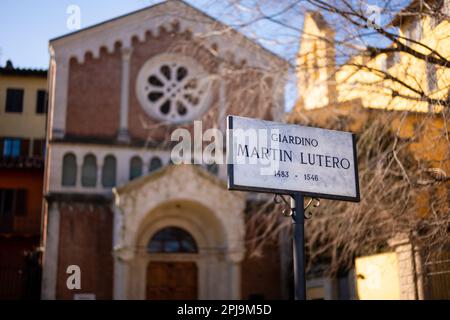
<point>266,156</point>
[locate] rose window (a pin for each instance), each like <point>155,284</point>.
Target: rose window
<point>173,88</point>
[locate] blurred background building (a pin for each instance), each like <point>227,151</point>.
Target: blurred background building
<point>23,111</point>
<point>359,92</point>
<point>136,225</point>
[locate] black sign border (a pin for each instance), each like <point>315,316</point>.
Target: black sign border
<point>233,186</point>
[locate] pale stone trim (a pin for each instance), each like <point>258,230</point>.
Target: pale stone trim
<point>153,203</point>
<point>124,94</point>
<point>122,155</point>
<point>229,44</point>
<point>409,268</point>
<point>50,261</point>
<point>58,96</point>
<point>123,29</point>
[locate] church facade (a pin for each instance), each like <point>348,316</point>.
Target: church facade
<point>136,225</point>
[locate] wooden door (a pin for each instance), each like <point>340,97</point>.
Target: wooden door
<point>172,281</point>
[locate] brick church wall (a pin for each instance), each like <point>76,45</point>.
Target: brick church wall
<point>261,275</point>
<point>93,108</point>
<point>93,103</point>
<point>85,240</point>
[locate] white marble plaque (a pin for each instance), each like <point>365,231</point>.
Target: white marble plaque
<point>265,156</point>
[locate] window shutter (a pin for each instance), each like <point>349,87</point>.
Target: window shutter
<point>20,205</point>
<point>38,147</point>
<point>24,147</point>
<point>14,100</point>
<point>41,101</point>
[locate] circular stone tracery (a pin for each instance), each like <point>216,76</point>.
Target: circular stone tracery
<point>173,88</point>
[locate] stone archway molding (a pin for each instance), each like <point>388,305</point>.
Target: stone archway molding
<point>188,197</point>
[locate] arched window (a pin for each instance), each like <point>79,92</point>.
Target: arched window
<point>155,164</point>
<point>135,167</point>
<point>89,171</point>
<point>109,171</point>
<point>172,240</point>
<point>69,170</point>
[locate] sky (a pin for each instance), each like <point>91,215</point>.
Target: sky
<point>26,26</point>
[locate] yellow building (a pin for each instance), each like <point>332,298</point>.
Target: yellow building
<point>23,95</point>
<point>23,110</point>
<point>359,92</point>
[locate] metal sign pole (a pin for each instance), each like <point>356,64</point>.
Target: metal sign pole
<point>298,220</point>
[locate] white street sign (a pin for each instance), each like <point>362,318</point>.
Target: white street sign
<point>266,156</point>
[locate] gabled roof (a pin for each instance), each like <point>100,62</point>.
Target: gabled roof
<point>10,70</point>
<point>415,9</point>
<point>318,19</point>
<point>181,3</point>
<point>158,174</point>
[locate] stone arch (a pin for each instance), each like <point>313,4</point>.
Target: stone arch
<point>186,214</point>
<point>206,229</point>
<point>210,213</point>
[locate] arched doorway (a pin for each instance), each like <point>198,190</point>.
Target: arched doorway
<point>172,280</point>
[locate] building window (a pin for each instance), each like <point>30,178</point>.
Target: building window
<point>155,164</point>
<point>6,203</point>
<point>11,148</point>
<point>41,102</point>
<point>13,202</point>
<point>413,32</point>
<point>69,173</point>
<point>14,100</point>
<point>109,171</point>
<point>89,171</point>
<point>174,88</point>
<point>172,240</point>
<point>135,167</point>
<point>431,76</point>
<point>390,60</point>
<point>39,148</point>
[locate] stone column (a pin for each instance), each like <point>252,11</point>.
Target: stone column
<point>123,135</point>
<point>120,274</point>
<point>99,185</point>
<point>234,279</point>
<point>50,263</point>
<point>79,178</point>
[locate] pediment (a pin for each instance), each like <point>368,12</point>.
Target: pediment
<point>172,15</point>
<point>176,175</point>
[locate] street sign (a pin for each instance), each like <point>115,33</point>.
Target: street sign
<point>266,156</point>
